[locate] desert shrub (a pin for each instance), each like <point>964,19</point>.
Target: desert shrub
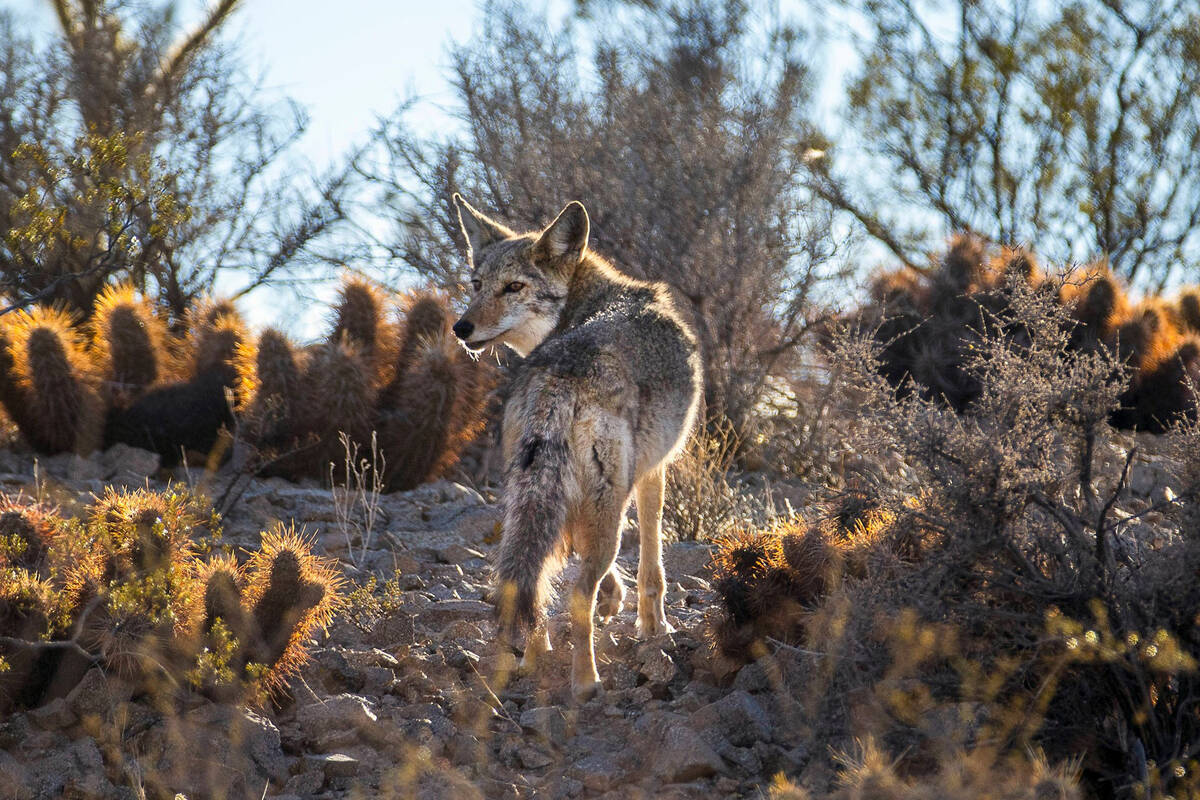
<point>134,587</point>
<point>1004,584</point>
<point>703,498</point>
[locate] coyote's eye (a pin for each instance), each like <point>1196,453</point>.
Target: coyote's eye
<point>515,286</point>
<point>476,285</point>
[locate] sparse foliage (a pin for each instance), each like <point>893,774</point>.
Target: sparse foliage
<point>1071,126</point>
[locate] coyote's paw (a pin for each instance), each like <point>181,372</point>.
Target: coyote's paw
<point>586,690</point>
<point>610,598</point>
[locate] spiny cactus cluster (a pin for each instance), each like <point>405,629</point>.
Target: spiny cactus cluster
<point>411,384</point>
<point>927,323</point>
<point>125,587</point>
<point>123,376</point>
<point>120,376</point>
<point>769,580</point>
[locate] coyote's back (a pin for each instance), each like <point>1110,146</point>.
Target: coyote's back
<point>605,398</point>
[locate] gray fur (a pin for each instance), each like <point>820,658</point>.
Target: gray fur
<point>603,401</point>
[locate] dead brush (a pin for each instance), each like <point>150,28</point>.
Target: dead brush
<point>1024,601</point>
<point>703,502</point>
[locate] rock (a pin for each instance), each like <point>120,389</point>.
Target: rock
<point>215,750</point>
<point>76,770</point>
<point>96,696</point>
<point>533,758</point>
<point>459,554</point>
<point>54,715</point>
<point>736,717</point>
<point>307,783</point>
<point>548,722</point>
<point>122,460</point>
<point>684,756</point>
<point>396,629</point>
<point>753,677</point>
<point>323,722</point>
<point>335,765</point>
<point>73,467</point>
<point>443,612</point>
<point>687,558</point>
<point>597,772</point>
<point>14,779</point>
<point>656,666</point>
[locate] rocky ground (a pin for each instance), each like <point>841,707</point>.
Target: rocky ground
<point>403,696</point>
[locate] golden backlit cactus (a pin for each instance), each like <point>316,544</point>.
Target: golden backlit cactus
<point>270,379</point>
<point>128,344</point>
<point>289,594</point>
<point>432,409</point>
<point>26,531</point>
<point>127,586</point>
<point>337,396</point>
<point>61,408</point>
<point>360,319</point>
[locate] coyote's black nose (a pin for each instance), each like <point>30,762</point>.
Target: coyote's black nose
<point>462,329</point>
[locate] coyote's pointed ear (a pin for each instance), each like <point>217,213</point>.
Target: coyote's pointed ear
<point>479,230</point>
<point>566,236</point>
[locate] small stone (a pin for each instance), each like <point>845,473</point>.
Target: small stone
<point>684,756</point>
<point>598,772</point>
<point>533,758</point>
<point>656,666</point>
<point>548,722</point>
<point>458,554</point>
<point>443,612</point>
<point>307,783</point>
<point>335,765</point>
<point>121,459</point>
<point>54,715</point>
<point>737,717</point>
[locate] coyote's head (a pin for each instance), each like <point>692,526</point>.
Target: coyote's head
<point>518,281</point>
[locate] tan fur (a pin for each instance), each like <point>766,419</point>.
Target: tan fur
<point>603,401</point>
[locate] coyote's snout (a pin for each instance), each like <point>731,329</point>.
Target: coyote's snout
<point>605,397</point>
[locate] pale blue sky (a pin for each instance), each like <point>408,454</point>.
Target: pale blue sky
<point>350,62</point>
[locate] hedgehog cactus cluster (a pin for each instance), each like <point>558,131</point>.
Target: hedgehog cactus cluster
<point>770,580</point>
<point>411,384</point>
<point>927,322</point>
<point>125,375</point>
<point>126,588</point>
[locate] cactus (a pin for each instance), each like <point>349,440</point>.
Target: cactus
<point>270,379</point>
<point>431,410</point>
<point>129,589</point>
<point>338,398</point>
<point>426,316</point>
<point>61,410</point>
<point>1189,308</point>
<point>129,344</point>
<point>358,320</point>
<point>437,413</point>
<point>963,268</point>
<point>1161,392</point>
<point>26,531</point>
<point>188,415</point>
<point>289,593</point>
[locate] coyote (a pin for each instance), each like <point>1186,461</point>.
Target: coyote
<point>604,399</point>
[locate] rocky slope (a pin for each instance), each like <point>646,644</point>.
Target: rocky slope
<point>405,696</point>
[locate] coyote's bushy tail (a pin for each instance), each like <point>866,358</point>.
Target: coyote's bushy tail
<point>535,509</point>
